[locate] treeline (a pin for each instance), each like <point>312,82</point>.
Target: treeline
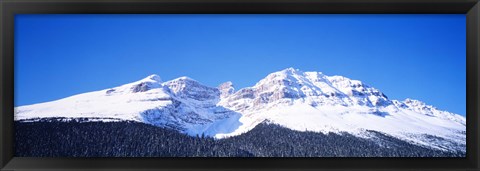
<point>74,138</point>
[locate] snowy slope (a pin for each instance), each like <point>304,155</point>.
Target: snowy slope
<point>121,102</point>
<point>316,102</point>
<point>182,104</point>
<point>297,100</point>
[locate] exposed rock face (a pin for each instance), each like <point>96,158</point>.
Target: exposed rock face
<point>142,87</point>
<point>226,89</point>
<point>189,104</point>
<point>421,107</point>
<point>291,84</point>
<point>185,87</point>
<point>148,83</point>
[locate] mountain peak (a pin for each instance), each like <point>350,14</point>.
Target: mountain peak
<point>152,78</point>
<point>143,85</point>
<point>187,88</point>
<point>413,102</point>
<point>227,84</point>
<point>185,78</point>
<point>181,82</point>
<point>290,70</point>
<point>226,89</point>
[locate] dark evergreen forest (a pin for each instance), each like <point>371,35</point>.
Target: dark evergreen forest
<point>76,138</point>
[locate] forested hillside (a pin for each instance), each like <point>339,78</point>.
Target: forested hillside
<point>75,138</point>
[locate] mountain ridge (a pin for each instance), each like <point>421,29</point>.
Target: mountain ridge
<point>292,98</point>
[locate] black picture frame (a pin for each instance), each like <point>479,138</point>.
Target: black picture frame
<point>9,8</point>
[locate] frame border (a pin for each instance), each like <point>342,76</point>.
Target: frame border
<point>9,8</point>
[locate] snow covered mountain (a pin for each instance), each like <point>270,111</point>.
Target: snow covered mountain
<point>291,98</point>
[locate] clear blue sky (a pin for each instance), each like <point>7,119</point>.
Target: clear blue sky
<point>405,56</point>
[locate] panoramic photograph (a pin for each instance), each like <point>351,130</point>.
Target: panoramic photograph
<point>197,85</point>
